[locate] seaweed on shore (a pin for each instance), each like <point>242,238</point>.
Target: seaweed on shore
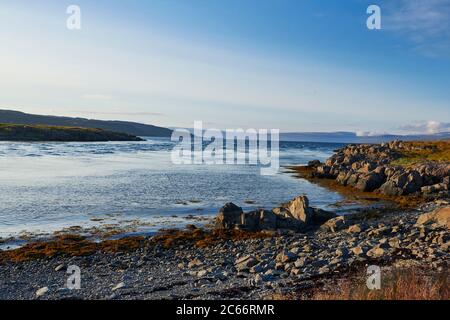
<point>75,245</point>
<point>68,245</point>
<point>202,238</point>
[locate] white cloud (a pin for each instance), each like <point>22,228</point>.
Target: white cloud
<point>96,96</point>
<point>428,127</point>
<point>369,133</point>
<point>426,23</point>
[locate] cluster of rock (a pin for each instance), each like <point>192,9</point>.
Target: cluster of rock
<point>241,269</point>
<point>367,168</point>
<point>343,241</point>
<point>295,215</point>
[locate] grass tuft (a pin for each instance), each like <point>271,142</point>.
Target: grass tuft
<point>415,152</point>
<point>406,284</point>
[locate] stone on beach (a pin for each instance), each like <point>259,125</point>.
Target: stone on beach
<point>376,252</point>
<point>120,285</point>
<point>229,216</point>
<point>59,267</point>
<point>334,224</point>
<point>356,228</point>
<point>440,217</point>
<point>286,256</point>
<point>300,209</point>
<point>41,292</point>
<point>195,263</point>
<point>295,215</point>
<point>245,263</point>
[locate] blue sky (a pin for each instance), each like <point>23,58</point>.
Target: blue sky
<point>288,64</point>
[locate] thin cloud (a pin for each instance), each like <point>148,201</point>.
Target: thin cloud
<point>128,113</point>
<point>425,23</point>
<point>96,96</point>
<point>427,127</point>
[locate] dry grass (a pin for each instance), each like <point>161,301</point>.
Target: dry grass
<point>407,284</point>
<point>419,151</point>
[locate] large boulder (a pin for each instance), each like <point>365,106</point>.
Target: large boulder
<point>367,167</point>
<point>435,188</point>
<point>414,182</point>
<point>285,220</point>
<point>353,179</point>
<point>268,220</point>
<point>323,171</point>
<point>370,181</point>
<point>391,188</point>
<point>300,209</point>
<point>295,215</point>
<point>335,224</point>
<point>342,178</point>
<point>314,163</point>
<point>250,221</point>
<point>440,217</point>
<point>229,216</point>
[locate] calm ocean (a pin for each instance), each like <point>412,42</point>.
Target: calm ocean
<point>45,187</point>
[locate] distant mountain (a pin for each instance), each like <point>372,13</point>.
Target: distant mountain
<point>351,137</point>
<point>348,137</point>
<point>132,128</point>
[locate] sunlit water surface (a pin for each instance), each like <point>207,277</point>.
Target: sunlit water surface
<point>46,187</point>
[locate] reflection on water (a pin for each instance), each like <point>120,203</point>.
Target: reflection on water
<point>48,186</point>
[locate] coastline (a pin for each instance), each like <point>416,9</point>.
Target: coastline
<point>47,133</point>
<point>197,263</point>
<point>216,263</point>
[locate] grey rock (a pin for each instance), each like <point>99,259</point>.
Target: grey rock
<point>229,216</point>
<point>42,291</point>
<point>334,225</point>
<point>59,267</point>
<point>245,263</point>
<point>370,181</point>
<point>286,256</point>
<point>120,285</point>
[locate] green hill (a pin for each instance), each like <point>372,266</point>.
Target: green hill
<point>132,128</point>
<point>20,132</point>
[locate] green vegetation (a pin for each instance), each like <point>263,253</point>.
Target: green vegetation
<point>415,152</point>
<point>132,128</point>
<point>20,132</point>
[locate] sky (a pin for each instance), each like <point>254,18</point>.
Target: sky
<point>291,65</point>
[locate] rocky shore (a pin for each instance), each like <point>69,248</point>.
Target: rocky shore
<point>194,265</point>
<point>375,168</point>
<point>290,251</point>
